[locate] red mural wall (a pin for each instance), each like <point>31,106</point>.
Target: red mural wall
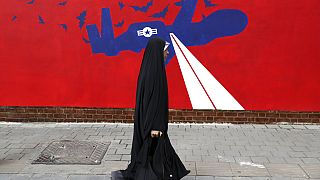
<point>46,60</point>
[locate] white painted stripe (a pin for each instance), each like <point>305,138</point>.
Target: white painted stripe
<point>221,98</point>
<point>197,95</point>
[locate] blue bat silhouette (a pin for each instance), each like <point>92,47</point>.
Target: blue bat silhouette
<point>121,5</point>
<point>120,24</point>
<point>143,8</point>
<point>31,2</point>
<point>82,18</point>
<point>208,3</point>
<point>161,14</point>
<point>62,3</point>
<point>221,23</point>
<point>179,3</point>
<point>41,21</point>
<point>64,26</point>
<point>203,16</point>
<point>13,18</point>
<point>85,40</point>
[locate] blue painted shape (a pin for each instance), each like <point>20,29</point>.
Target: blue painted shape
<point>179,3</point>
<point>13,18</point>
<point>64,26</point>
<point>221,23</point>
<point>203,16</point>
<point>121,5</point>
<point>82,18</point>
<point>208,3</point>
<point>31,2</point>
<point>143,8</point>
<point>62,3</point>
<point>161,14</point>
<point>119,24</point>
<point>85,40</point>
<point>41,21</point>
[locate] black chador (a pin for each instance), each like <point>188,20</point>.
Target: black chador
<point>152,158</point>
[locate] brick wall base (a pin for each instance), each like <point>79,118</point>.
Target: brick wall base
<point>77,114</point>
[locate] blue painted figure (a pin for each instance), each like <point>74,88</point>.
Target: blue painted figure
<point>218,24</point>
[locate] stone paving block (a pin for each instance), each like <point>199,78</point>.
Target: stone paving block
<point>123,137</point>
<point>125,157</point>
<point>87,177</point>
<point>193,158</point>
<point>314,154</point>
<point>293,160</point>
<point>111,151</point>
<point>226,159</point>
<point>263,153</point>
<point>257,143</point>
<point>14,145</point>
<point>279,153</point>
<point>252,148</point>
<point>312,127</point>
<point>312,170</point>
<point>285,126</point>
<point>289,170</point>
<point>248,169</point>
<point>231,153</point>
<point>241,178</point>
<point>237,147</point>
<point>276,160</point>
<point>299,148</point>
<point>272,126</point>
<point>213,169</point>
<point>296,154</point>
<point>246,126</point>
<point>4,144</point>
<point>42,176</point>
<point>223,178</point>
<point>311,161</point>
<point>298,126</point>
<point>281,178</point>
<point>189,178</point>
<point>242,159</point>
<point>204,178</point>
<point>21,177</point>
<point>29,146</point>
<point>247,153</point>
<point>14,156</point>
<point>196,152</point>
<point>242,142</point>
<point>11,166</point>
<point>5,176</point>
<point>113,157</point>
<point>222,147</point>
<point>261,178</point>
<point>259,126</point>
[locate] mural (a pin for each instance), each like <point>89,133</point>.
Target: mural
<point>218,24</point>
<point>229,55</point>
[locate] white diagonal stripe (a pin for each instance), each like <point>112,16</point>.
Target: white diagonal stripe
<point>197,95</point>
<point>221,98</point>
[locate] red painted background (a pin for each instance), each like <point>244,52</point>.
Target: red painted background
<point>272,65</point>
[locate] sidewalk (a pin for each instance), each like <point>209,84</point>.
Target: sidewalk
<point>210,151</point>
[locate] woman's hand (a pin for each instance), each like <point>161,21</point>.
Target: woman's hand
<point>155,133</point>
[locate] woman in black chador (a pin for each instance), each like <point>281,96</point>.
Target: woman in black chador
<point>152,155</point>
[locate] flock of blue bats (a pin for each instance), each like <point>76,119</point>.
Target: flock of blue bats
<point>220,23</point>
